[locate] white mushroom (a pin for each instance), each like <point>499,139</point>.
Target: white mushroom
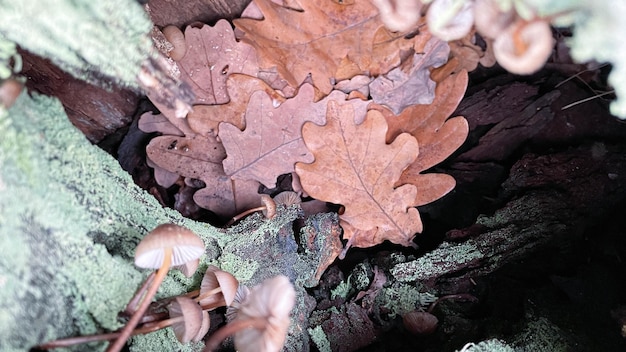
<point>450,19</point>
<point>524,47</point>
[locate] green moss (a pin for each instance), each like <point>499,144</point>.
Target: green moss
<point>89,39</point>
<point>53,276</point>
<point>359,277</point>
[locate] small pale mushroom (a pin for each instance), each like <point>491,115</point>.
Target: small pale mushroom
<point>10,89</point>
<point>287,198</point>
<point>524,47</point>
<point>240,297</point>
<point>420,322</point>
<point>490,20</point>
<point>450,19</point>
<point>262,319</point>
<point>165,246</point>
<point>204,328</point>
<point>189,268</point>
<point>188,327</point>
<point>176,37</point>
<point>269,205</point>
<point>218,288</point>
<point>399,15</point>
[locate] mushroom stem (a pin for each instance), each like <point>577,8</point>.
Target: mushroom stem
<point>131,307</point>
<point>244,214</point>
<point>192,294</point>
<point>519,43</point>
<point>208,293</point>
<point>134,320</point>
<point>233,327</point>
<point>71,341</point>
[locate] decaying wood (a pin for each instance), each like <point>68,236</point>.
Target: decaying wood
<point>548,185</point>
<point>95,111</point>
<point>180,13</point>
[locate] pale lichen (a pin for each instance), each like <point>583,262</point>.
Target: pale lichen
<point>54,278</point>
<point>8,54</point>
<point>91,40</point>
<point>437,262</point>
<point>400,298</point>
<point>492,345</point>
<point>319,338</point>
<point>540,335</point>
<point>70,219</point>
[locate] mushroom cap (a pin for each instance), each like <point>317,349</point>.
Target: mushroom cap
<point>272,300</point>
<point>233,308</point>
<point>189,268</point>
<point>188,328</point>
<point>270,206</point>
<point>489,19</point>
<point>536,36</point>
<point>204,328</point>
<point>287,198</point>
<point>447,22</point>
<point>420,323</point>
<point>185,245</point>
<point>214,278</point>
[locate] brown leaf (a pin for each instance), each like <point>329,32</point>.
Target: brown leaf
<point>212,55</point>
<point>355,167</point>
<point>437,137</point>
<point>410,83</point>
<point>204,119</point>
<point>195,157</point>
<point>149,122</point>
<point>330,40</point>
<point>201,158</point>
<point>272,142</point>
<point>227,197</point>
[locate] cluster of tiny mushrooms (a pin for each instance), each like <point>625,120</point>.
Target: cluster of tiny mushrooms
<point>257,317</point>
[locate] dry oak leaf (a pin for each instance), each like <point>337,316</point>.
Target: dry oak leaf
<point>410,83</point>
<point>212,54</point>
<point>149,123</point>
<point>355,167</point>
<point>201,158</point>
<point>272,142</point>
<point>437,136</point>
<point>330,40</point>
<point>204,119</point>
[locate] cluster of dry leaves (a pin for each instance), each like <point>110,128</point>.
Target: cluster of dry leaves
<point>323,91</point>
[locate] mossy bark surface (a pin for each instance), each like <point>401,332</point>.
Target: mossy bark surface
<point>70,219</point>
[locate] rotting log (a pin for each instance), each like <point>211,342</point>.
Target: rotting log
<point>531,174</point>
<point>60,195</point>
<point>553,199</point>
<point>532,181</point>
<point>70,218</point>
